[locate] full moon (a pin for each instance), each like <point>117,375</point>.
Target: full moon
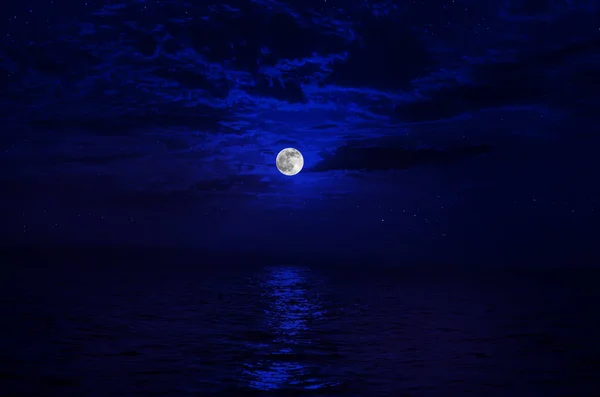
<point>289,161</point>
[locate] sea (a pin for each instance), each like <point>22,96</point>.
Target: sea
<point>289,330</point>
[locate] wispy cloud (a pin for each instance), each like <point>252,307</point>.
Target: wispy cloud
<point>201,97</point>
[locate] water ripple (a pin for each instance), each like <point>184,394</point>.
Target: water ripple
<point>297,331</point>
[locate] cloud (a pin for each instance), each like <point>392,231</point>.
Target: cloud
<point>193,79</point>
<point>245,183</point>
<point>202,117</point>
<point>505,84</point>
<point>385,55</point>
<point>544,10</point>
<point>566,52</point>
<point>210,93</point>
<point>256,37</point>
<point>523,82</point>
<point>393,158</point>
<point>288,91</point>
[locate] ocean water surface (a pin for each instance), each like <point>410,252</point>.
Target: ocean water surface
<point>289,330</point>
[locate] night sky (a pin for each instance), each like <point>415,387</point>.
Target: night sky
<point>433,131</point>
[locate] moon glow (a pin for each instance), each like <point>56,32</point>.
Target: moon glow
<point>289,161</point>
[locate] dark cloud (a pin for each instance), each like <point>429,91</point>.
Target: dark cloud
<point>546,9</point>
<point>173,143</point>
<point>529,80</point>
<point>385,55</point>
<point>283,143</point>
<point>54,60</point>
<point>255,37</point>
<point>529,7</point>
<point>155,200</point>
<point>566,52</point>
<point>324,127</point>
<point>495,85</point>
<point>147,44</point>
<point>199,116</point>
<point>194,80</point>
<point>245,183</point>
<point>288,91</point>
<point>393,158</point>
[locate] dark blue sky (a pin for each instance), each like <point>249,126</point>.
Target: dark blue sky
<point>441,131</point>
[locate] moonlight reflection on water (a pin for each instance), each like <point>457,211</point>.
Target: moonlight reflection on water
<point>282,331</point>
<point>290,310</point>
